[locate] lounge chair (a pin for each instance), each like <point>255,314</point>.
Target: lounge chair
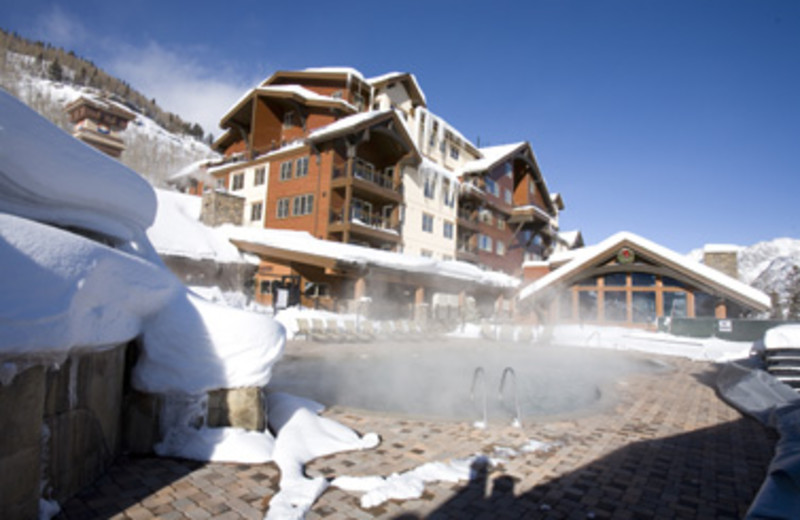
<point>303,329</point>
<point>353,332</point>
<point>336,333</point>
<point>319,332</point>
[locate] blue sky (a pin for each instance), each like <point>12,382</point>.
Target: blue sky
<point>677,120</point>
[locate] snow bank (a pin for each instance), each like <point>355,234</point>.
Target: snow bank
<point>619,338</point>
<point>60,290</point>
<point>177,231</point>
<point>49,176</point>
<point>784,336</point>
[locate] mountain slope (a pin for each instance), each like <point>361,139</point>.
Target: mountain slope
<point>151,149</point>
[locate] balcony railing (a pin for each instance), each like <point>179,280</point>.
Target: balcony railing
<point>366,171</point>
<point>357,215</point>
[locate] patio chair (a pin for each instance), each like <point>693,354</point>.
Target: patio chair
<point>525,334</point>
<point>353,332</point>
<point>319,332</point>
<point>303,329</point>
<point>336,333</point>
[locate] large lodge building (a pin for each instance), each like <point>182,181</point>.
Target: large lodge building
<point>363,162</point>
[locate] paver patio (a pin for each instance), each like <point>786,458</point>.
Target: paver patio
<point>668,447</point>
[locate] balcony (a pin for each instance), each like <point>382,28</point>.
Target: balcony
<point>467,253</point>
<point>363,222</point>
<point>468,219</point>
<point>363,176</point>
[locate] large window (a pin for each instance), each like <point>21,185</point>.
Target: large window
<point>448,194</point>
<point>587,305</point>
<point>615,306</point>
<point>429,186</point>
<point>644,306</point>
<point>675,304</point>
<point>303,205</point>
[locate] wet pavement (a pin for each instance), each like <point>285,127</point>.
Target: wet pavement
<point>667,447</point>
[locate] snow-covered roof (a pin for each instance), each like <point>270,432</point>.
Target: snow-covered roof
<point>428,166</point>
<point>298,91</point>
<point>362,257</point>
<point>702,274</point>
<point>336,70</point>
<point>491,155</point>
<point>569,237</point>
<point>49,176</point>
<point>350,123</point>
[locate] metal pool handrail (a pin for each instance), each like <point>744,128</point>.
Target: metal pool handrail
<point>508,370</point>
<point>480,374</point>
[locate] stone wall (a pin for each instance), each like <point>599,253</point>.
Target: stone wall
<point>220,208</point>
<point>61,427</point>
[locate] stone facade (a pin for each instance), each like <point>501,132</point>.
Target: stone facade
<point>724,260</point>
<point>220,208</point>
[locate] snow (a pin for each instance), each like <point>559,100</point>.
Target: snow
<point>306,94</point>
<point>303,242</point>
<point>490,156</point>
<point>47,175</point>
<point>177,231</point>
<point>347,123</point>
<point>393,76</point>
<point>784,336</point>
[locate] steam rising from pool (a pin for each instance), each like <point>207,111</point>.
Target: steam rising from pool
<point>433,380</point>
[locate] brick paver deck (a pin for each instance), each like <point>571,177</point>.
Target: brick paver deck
<point>668,448</point>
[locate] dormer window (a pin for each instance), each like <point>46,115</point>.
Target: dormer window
<point>288,119</point>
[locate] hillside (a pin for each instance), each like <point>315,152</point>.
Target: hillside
<point>771,266</point>
<point>158,143</point>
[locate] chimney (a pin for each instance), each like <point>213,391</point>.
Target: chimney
<point>723,258</point>
<point>219,208</point>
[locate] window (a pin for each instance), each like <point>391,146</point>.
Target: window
<point>288,119</point>
<point>265,287</point>
<point>501,223</point>
<point>427,253</point>
<point>237,181</point>
<point>454,151</point>
<point>256,210</point>
<point>303,205</point>
<point>221,184</point>
<point>260,176</point>
<point>485,216</point>
<point>448,194</point>
<point>587,305</point>
<point>427,222</point>
<point>643,279</point>
<point>447,230</point>
<point>616,280</point>
<point>508,169</point>
<point>675,304</point>
<point>286,170</point>
<point>507,195</point>
<point>501,248</point>
<point>430,184</point>
<point>615,306</point>
<point>644,307</point>
<point>531,187</point>
<point>491,187</point>
<point>283,208</point>
<point>301,168</point>
<point>485,243</point>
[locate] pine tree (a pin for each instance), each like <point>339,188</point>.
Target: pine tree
<point>55,72</point>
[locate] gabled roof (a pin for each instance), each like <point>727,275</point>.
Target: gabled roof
<point>361,121</point>
<point>344,73</point>
<point>491,156</point>
<point>296,93</point>
<point>407,79</point>
<point>694,271</point>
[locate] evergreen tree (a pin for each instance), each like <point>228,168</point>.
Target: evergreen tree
<point>55,72</point>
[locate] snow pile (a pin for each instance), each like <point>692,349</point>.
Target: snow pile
<point>177,231</point>
<point>619,338</point>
